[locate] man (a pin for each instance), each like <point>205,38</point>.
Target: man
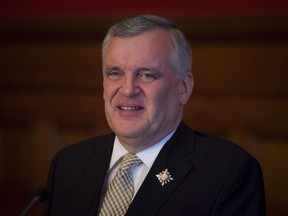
<point>147,82</point>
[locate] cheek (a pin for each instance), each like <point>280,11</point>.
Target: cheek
<point>161,98</point>
<point>107,91</point>
<point>105,96</point>
<point>169,97</point>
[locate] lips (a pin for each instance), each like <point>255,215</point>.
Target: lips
<point>130,108</point>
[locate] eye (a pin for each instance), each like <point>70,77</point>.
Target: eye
<point>113,74</point>
<point>147,76</point>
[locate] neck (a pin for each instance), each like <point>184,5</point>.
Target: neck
<point>135,145</point>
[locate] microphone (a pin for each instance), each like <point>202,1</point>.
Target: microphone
<point>41,195</point>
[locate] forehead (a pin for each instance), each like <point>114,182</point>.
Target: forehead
<point>155,43</point>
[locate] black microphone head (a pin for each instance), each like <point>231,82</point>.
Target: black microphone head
<point>42,194</point>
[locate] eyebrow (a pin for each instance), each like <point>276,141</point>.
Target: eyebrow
<point>138,69</point>
<point>108,69</point>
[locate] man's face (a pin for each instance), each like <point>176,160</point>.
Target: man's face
<point>143,99</point>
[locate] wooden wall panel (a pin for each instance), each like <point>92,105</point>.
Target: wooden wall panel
<point>249,69</point>
<point>273,158</point>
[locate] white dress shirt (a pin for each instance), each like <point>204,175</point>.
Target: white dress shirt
<point>139,173</point>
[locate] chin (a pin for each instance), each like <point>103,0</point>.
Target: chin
<point>129,132</point>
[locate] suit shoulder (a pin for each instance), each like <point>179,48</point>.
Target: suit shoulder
<point>220,150</point>
<point>215,142</point>
<point>88,145</point>
<point>214,146</point>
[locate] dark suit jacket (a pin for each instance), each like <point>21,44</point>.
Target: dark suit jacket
<point>211,177</point>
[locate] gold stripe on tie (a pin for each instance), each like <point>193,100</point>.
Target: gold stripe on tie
<point>120,191</point>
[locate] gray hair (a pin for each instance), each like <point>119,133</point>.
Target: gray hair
<point>181,56</point>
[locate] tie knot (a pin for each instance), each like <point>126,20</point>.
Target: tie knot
<point>129,160</point>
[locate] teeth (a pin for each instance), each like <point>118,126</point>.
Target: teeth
<point>130,108</point>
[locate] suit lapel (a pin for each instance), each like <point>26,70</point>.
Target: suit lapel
<point>97,164</point>
<point>152,195</point>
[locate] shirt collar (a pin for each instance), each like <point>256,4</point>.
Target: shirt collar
<point>147,155</point>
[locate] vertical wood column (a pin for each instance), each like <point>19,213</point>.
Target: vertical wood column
<point>45,143</point>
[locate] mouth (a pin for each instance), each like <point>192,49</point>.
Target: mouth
<point>131,108</point>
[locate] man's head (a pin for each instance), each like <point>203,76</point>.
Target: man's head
<point>147,79</point>
<point>181,55</point>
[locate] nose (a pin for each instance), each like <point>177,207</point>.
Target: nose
<point>129,86</point>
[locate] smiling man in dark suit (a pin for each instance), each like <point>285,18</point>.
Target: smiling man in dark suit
<point>147,81</point>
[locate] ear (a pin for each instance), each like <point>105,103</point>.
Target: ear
<point>186,88</point>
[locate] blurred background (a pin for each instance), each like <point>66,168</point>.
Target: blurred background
<point>51,82</point>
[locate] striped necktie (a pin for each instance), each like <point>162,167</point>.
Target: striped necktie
<point>120,191</point>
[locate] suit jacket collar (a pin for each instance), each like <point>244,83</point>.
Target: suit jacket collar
<point>96,170</point>
<point>174,156</point>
